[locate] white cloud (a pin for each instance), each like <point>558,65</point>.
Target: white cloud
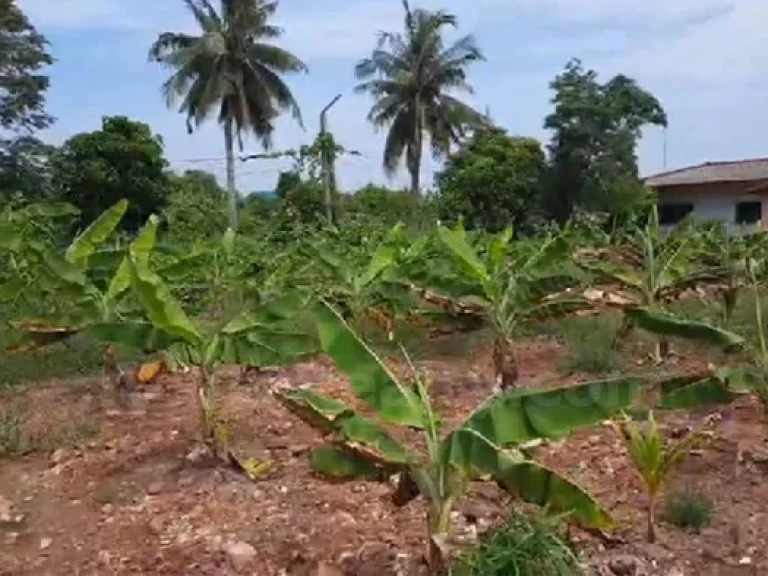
<point>78,14</point>
<point>647,11</point>
<point>728,48</point>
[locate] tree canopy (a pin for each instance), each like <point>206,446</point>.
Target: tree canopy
<point>595,128</point>
<point>409,75</point>
<point>23,55</point>
<point>123,159</point>
<point>231,70</point>
<point>494,181</point>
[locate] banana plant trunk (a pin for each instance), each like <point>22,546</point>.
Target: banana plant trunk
<point>205,399</point>
<point>729,295</point>
<point>504,362</point>
<point>110,366</point>
<point>438,550</point>
<point>229,146</point>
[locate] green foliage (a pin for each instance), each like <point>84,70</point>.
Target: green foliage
<point>487,445</point>
<point>524,545</point>
<point>409,75</point>
<point>494,181</point>
<point>689,510</point>
<point>379,206</point>
<point>505,285</point>
<point>197,207</point>
<point>123,159</point>
<point>23,170</point>
<point>24,53</point>
<point>595,132</point>
<point>589,343</point>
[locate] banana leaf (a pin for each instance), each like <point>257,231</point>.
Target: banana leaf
<point>372,382</point>
<point>520,416</point>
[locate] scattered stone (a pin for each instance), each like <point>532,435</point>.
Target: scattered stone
<point>342,518</point>
<point>323,569</point>
<point>299,450</point>
<point>240,554</point>
<point>745,561</point>
<point>45,543</point>
<point>107,508</point>
<point>474,511</point>
<point>58,456</point>
<point>155,488</point>
<point>6,507</point>
<point>624,565</point>
<point>156,525</point>
<point>11,538</point>
<point>197,454</point>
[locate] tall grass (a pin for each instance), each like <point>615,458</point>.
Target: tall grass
<point>589,343</point>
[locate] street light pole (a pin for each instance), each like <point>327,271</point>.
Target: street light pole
<point>327,158</point>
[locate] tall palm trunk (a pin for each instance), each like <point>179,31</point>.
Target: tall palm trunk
<point>230,152</point>
<point>414,155</point>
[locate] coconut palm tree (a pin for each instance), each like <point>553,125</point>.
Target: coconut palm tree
<point>232,69</point>
<point>409,75</point>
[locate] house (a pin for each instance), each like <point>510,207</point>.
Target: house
<point>735,193</point>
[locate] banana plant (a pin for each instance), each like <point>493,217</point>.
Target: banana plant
<point>258,337</point>
<point>717,385</point>
<point>90,283</point>
<point>504,286</point>
<point>26,234</point>
<point>364,281</point>
<point>649,269</point>
<point>655,458</point>
<point>730,253</point>
<point>488,445</point>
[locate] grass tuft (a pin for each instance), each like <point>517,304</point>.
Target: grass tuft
<point>589,342</point>
<point>12,419</point>
<point>524,545</point>
<point>689,510</point>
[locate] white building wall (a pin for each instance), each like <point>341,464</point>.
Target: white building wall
<point>712,206</point>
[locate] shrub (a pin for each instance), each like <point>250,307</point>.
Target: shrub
<point>689,509</point>
<point>524,545</point>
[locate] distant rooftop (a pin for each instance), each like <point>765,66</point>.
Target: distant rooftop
<point>733,171</point>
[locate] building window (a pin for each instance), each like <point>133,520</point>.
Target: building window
<point>749,212</point>
<point>673,213</point>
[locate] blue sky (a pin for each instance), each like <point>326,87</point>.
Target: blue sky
<point>704,59</point>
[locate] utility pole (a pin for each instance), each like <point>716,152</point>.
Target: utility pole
<point>327,159</point>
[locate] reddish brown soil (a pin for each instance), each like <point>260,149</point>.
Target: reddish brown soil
<point>121,498</point>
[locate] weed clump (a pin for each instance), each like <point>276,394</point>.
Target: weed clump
<point>689,510</point>
<point>590,344</point>
<point>524,545</point>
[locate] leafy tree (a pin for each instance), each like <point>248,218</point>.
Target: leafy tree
<point>197,206</point>
<point>23,52</point>
<point>386,207</point>
<point>94,170</point>
<point>232,70</point>
<point>595,132</point>
<point>25,169</point>
<point>409,75</point>
<point>494,181</point>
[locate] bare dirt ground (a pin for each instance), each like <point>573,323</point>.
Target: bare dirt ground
<point>114,492</point>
